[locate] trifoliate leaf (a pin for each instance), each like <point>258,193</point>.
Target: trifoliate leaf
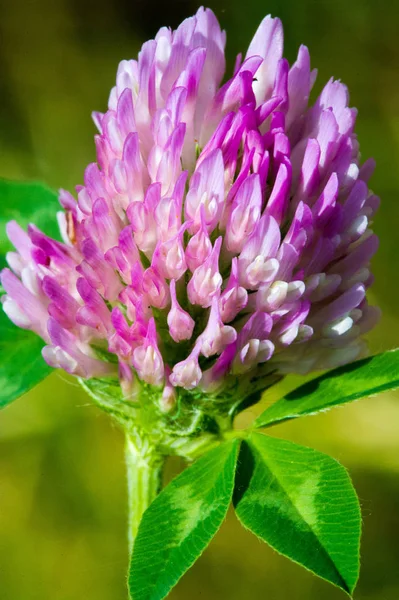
<point>303,504</point>
<point>180,523</point>
<point>26,202</point>
<point>21,362</point>
<point>354,381</point>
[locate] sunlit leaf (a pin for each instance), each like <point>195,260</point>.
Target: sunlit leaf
<point>303,504</point>
<point>180,523</point>
<point>26,202</point>
<point>21,362</point>
<point>354,381</point>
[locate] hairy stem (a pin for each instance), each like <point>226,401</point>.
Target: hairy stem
<point>144,474</point>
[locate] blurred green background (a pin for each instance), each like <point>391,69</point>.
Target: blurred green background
<point>62,487</point>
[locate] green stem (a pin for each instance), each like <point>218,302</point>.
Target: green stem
<point>144,474</point>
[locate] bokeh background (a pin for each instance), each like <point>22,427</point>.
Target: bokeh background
<point>62,487</point>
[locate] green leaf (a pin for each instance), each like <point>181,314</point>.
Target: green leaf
<point>345,384</point>
<point>303,504</point>
<point>21,362</point>
<point>180,523</point>
<point>26,202</point>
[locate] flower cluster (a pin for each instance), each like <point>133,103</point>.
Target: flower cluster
<point>222,229</point>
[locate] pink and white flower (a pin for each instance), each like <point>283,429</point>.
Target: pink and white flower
<point>221,226</point>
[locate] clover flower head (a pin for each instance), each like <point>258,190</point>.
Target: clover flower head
<point>223,233</point>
